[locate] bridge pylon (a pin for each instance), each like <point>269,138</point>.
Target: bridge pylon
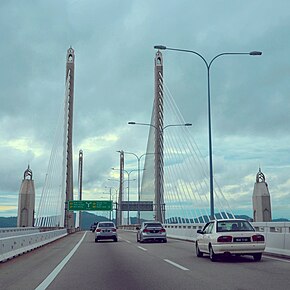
<point>70,63</point>
<point>158,140</point>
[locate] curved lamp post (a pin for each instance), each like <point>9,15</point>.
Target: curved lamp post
<point>208,66</point>
<point>138,169</point>
<point>128,197</point>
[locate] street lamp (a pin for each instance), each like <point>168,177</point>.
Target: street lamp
<point>159,202</point>
<point>208,66</point>
<point>162,129</point>
<point>110,192</point>
<point>128,198</point>
<point>139,179</point>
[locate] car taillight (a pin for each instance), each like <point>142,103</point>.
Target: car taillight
<point>98,230</point>
<point>114,230</point>
<point>146,231</point>
<point>258,238</point>
<point>225,239</point>
<point>162,231</point>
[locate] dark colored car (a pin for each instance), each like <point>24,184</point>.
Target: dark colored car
<point>93,226</point>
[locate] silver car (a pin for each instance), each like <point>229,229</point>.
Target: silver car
<point>151,231</point>
<point>106,231</point>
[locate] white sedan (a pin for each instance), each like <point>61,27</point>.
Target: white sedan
<point>229,237</point>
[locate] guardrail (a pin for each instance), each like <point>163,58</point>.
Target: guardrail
<point>15,245</point>
<point>277,234</point>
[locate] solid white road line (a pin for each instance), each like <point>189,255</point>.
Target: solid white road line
<point>59,267</point>
<point>176,265</point>
<point>143,249</point>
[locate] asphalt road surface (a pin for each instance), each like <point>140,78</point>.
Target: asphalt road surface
<point>77,262</point>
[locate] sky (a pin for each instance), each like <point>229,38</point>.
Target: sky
<point>114,83</point>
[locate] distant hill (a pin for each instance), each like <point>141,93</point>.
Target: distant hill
<point>87,220</point>
<point>8,222</point>
<point>280,220</point>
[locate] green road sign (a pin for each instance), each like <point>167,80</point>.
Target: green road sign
<point>90,205</point>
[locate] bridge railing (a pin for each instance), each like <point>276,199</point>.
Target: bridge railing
<point>277,234</point>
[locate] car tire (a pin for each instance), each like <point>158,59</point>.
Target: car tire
<point>197,251</point>
<point>96,240</point>
<point>212,255</point>
<point>257,257</point>
<point>138,239</point>
<point>115,240</point>
<point>165,241</point>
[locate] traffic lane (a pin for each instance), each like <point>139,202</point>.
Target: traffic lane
<point>228,273</point>
<point>121,265</point>
<point>30,269</point>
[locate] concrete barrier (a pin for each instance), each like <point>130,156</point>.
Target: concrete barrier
<point>16,245</point>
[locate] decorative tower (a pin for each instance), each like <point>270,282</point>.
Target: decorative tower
<point>158,123</point>
<point>261,200</point>
<point>26,201</point>
<point>70,63</point>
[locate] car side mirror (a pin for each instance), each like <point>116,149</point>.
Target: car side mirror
<point>200,232</point>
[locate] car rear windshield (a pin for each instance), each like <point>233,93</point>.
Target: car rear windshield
<point>153,225</point>
<point>106,225</point>
<point>234,226</point>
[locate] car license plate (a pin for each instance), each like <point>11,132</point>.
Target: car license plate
<point>241,240</point>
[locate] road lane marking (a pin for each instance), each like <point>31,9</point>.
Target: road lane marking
<point>45,283</point>
<point>176,265</point>
<point>141,248</point>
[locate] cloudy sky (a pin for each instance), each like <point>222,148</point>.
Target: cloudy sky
<point>113,42</point>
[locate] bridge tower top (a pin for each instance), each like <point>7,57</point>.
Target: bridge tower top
<point>28,173</point>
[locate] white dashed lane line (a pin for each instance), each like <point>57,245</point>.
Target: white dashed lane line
<point>141,248</point>
<point>176,265</point>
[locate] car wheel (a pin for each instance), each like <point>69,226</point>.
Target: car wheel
<point>197,251</point>
<point>115,240</point>
<point>257,257</point>
<point>212,255</point>
<point>96,240</point>
<point>138,239</point>
<point>165,240</point>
